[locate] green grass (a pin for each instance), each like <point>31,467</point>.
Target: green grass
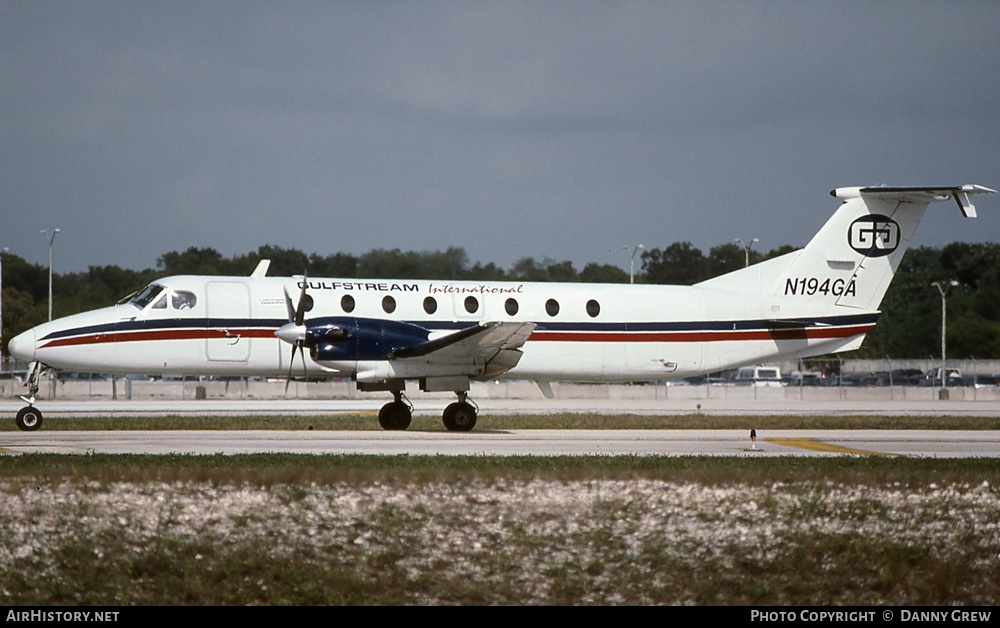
<point>301,469</point>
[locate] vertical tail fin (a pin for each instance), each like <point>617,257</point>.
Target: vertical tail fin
<point>852,259</point>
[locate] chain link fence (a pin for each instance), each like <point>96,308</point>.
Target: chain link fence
<point>816,378</point>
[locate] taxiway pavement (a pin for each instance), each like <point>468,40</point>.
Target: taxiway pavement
<point>940,444</point>
<point>484,441</point>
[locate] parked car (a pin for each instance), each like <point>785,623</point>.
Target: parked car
<point>906,377</point>
<point>986,381</point>
<point>880,378</point>
<point>953,377</point>
<point>758,376</point>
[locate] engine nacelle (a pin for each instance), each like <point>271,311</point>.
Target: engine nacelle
<point>338,339</point>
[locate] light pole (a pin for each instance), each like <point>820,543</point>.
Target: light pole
<point>944,291</point>
<point>1,300</point>
<point>632,250</point>
<point>52,239</point>
<point>746,249</point>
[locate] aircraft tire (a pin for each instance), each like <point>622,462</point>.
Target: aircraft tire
<point>395,416</point>
<point>29,419</point>
<point>459,417</point>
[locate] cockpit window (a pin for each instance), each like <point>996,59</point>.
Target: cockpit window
<point>183,300</point>
<point>147,296</point>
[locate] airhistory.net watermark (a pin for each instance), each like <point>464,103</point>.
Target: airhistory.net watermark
<point>74,616</point>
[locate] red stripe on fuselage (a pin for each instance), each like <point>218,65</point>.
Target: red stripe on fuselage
<point>160,334</point>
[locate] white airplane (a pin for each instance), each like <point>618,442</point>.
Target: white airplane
<point>443,334</point>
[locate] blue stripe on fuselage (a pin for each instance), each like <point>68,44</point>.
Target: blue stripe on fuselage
<point>125,326</point>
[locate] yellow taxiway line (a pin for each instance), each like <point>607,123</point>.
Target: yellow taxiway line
<point>814,445</point>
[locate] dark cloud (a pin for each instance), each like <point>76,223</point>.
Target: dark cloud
<point>512,129</point>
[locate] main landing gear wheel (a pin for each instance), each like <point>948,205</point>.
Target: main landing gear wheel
<point>395,415</point>
<point>459,417</point>
<point>29,419</point>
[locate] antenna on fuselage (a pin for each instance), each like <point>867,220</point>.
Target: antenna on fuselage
<point>261,271</point>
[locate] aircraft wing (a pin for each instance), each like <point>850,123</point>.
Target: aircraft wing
<point>491,348</point>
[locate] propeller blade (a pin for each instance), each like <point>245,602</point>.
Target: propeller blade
<point>291,364</point>
<point>296,346</point>
<point>305,371</point>
<point>289,306</point>
<point>300,311</point>
<point>294,332</point>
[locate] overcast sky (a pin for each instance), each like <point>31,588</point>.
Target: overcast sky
<point>546,129</point>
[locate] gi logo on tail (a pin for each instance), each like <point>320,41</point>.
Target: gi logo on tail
<point>873,236</point>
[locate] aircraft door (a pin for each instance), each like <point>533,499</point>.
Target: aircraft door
<point>228,319</point>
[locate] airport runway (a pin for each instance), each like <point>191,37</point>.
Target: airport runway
<point>945,444</point>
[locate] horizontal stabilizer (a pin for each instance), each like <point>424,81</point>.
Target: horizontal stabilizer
<point>960,194</point>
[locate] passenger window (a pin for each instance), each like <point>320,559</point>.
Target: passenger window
<point>430,305</point>
<point>551,307</point>
<point>511,307</point>
<point>593,308</point>
<point>471,305</point>
<point>389,305</point>
<point>183,300</point>
<point>347,303</point>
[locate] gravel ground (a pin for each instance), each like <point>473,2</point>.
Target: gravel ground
<point>530,541</point>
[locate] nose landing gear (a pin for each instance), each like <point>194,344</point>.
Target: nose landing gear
<point>29,418</point>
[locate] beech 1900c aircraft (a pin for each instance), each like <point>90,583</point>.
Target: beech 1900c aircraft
<point>443,334</point>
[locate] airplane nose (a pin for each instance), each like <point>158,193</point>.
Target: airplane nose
<point>22,346</point>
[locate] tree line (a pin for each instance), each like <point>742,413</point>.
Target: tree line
<point>910,325</point>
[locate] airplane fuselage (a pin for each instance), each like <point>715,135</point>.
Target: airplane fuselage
<point>589,332</point>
